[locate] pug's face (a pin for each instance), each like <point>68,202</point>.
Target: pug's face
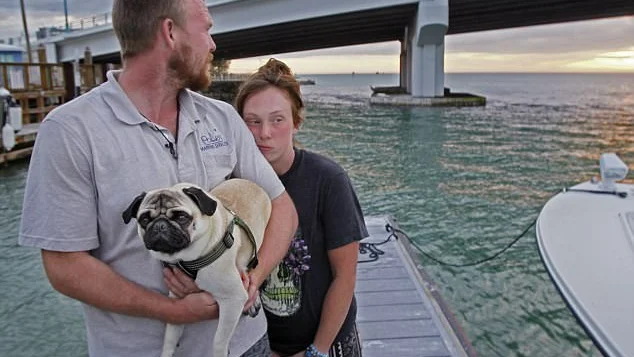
<point>169,219</point>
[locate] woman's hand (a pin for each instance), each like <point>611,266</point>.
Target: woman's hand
<point>252,286</point>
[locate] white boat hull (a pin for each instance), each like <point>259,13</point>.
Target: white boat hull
<point>586,241</point>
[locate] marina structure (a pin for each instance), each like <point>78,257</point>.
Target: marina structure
<point>249,28</point>
<point>11,53</point>
<point>37,88</point>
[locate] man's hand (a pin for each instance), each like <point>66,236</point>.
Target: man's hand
<point>197,305</point>
<point>179,283</point>
<point>200,304</point>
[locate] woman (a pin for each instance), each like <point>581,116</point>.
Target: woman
<point>309,299</point>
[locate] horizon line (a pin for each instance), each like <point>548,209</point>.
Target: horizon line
<point>466,72</point>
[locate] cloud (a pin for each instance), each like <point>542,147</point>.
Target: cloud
<point>323,64</point>
<point>78,7</point>
<point>383,48</point>
<point>600,35</point>
<point>41,13</point>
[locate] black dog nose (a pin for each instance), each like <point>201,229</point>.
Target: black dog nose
<point>160,226</point>
<point>163,236</point>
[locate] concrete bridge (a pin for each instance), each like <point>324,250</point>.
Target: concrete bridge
<point>248,28</point>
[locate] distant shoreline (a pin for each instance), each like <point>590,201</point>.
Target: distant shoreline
<point>487,73</point>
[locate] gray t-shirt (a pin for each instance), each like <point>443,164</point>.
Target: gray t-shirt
<point>96,153</point>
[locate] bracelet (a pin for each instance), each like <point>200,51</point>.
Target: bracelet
<point>312,351</point>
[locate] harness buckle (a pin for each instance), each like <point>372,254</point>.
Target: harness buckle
<point>228,239</point>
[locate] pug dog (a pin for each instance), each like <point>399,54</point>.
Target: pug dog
<point>198,231</point>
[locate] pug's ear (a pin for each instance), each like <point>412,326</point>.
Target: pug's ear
<point>133,209</point>
<point>206,204</point>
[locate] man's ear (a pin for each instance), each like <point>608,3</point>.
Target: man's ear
<point>206,204</point>
<point>166,32</point>
<point>133,208</point>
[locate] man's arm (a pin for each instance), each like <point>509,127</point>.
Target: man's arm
<point>83,277</point>
<point>277,238</point>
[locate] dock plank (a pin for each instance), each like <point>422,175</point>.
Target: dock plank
<point>382,298</point>
<point>395,312</point>
<point>373,285</point>
<point>406,347</point>
<point>394,272</point>
<point>379,330</point>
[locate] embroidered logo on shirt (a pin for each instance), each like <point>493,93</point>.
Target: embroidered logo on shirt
<point>212,140</point>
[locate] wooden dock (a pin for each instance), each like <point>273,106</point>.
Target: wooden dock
<point>400,313</point>
<point>24,140</point>
<point>40,87</point>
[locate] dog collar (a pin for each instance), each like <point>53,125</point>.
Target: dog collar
<point>192,267</point>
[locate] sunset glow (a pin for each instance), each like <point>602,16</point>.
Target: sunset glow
<point>617,61</point>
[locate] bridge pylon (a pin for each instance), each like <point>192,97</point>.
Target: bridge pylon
<point>426,49</point>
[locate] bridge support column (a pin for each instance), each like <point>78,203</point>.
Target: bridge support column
<point>427,49</point>
<point>403,62</point>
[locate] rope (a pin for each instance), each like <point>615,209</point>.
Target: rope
<point>375,252</point>
<point>393,231</point>
<point>372,250</point>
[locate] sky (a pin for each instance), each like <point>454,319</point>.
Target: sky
<point>605,45</point>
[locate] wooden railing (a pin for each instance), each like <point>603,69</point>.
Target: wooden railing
<point>91,75</point>
<point>18,77</point>
<point>40,87</point>
<point>37,87</point>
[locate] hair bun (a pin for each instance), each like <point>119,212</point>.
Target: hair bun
<point>276,67</point>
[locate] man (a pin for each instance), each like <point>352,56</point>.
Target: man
<point>139,131</point>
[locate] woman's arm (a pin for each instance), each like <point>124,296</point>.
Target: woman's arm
<point>278,235</point>
<point>343,262</point>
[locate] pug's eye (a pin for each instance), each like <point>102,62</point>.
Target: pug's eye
<point>181,218</point>
<point>144,220</point>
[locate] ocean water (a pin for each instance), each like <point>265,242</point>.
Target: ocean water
<point>462,182</point>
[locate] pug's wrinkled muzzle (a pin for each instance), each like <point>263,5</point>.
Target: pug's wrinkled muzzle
<point>165,237</point>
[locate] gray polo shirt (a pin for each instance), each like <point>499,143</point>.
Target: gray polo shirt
<point>96,153</point>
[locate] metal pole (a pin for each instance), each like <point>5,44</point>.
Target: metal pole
<point>26,32</point>
<point>66,15</point>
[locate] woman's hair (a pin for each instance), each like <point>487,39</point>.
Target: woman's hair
<point>135,22</point>
<point>276,74</point>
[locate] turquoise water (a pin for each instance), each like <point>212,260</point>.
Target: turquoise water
<point>461,182</point>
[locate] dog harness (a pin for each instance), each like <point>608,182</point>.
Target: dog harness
<point>192,267</point>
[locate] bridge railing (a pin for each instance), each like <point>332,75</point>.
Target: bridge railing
<point>80,24</point>
<point>91,21</point>
<point>106,18</point>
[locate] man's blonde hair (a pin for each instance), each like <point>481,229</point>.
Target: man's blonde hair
<point>136,22</point>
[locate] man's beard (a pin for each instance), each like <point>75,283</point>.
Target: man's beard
<point>185,73</point>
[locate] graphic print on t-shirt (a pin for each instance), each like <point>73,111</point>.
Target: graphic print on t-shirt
<point>281,293</point>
